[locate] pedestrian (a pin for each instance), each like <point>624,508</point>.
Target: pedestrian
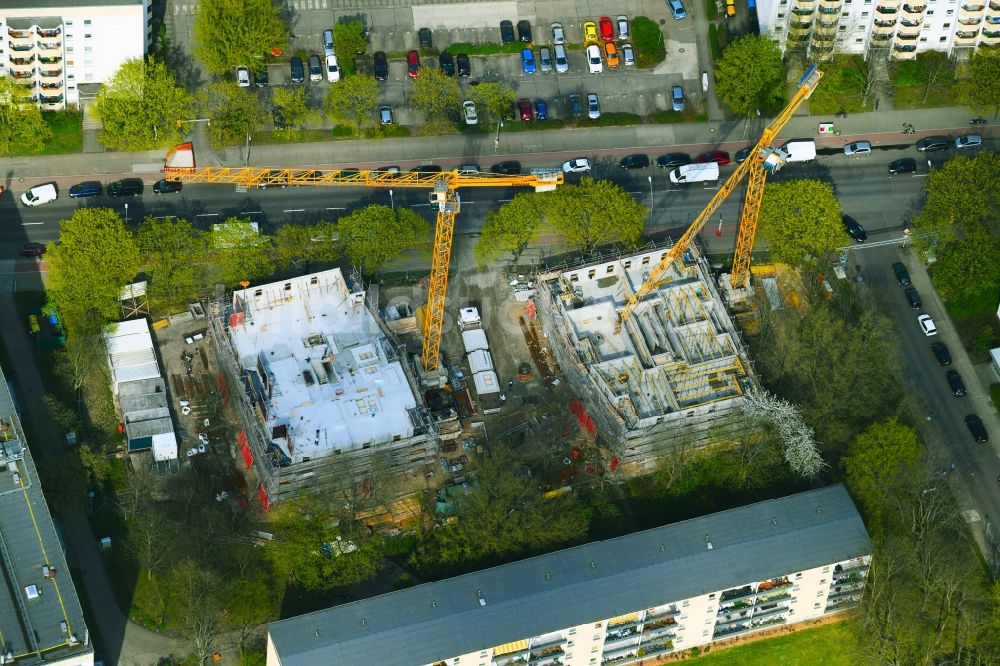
<point>503,397</point>
<point>510,384</point>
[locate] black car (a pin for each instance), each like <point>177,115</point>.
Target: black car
<point>932,144</point>
<point>464,66</point>
<point>671,160</point>
<point>637,161</point>
<point>446,62</point>
<point>913,298</point>
<point>507,32</point>
<point>315,68</point>
<point>976,428</point>
<point>425,38</point>
<point>742,154</point>
<point>905,165</point>
<point>454,117</point>
<point>260,77</point>
<point>126,187</point>
<point>902,275</point>
<point>166,187</point>
<point>524,31</point>
<point>854,229</point>
<point>298,70</point>
<point>507,168</point>
<point>380,65</point>
<point>275,177</point>
<point>575,105</point>
<point>941,353</point>
<point>426,168</point>
<point>278,118</point>
<point>956,383</point>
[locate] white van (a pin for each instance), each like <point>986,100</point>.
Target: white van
<point>695,173</point>
<point>800,151</point>
<point>40,194</point>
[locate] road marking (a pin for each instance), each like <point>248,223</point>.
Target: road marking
<point>31,224</point>
<point>207,215</point>
<point>252,212</point>
<point>163,217</point>
<point>336,208</point>
<point>294,210</point>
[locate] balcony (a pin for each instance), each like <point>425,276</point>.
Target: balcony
<point>23,75</point>
<point>994,5</point>
<point>771,597</point>
<point>667,631</point>
<point>800,6</point>
<point>51,87</point>
<point>773,584</point>
<point>615,656</point>
<point>657,623</point>
<point>620,640</point>
<point>510,659</point>
<point>910,22</point>
<point>50,101</point>
<point>830,5</point>
<point>623,625</point>
<point>769,610</point>
<point>886,11</point>
<point>905,51</point>
<point>883,27</point>
<point>966,34</point>
<point>50,60</point>
<point>966,40</point>
<point>21,48</point>
<point>970,21</point>
<point>852,575</point>
<point>48,33</point>
<point>22,62</point>
<point>667,613</point>
<point>885,6</point>
<point>990,37</point>
<point>20,34</point>
<point>730,630</point>
<point>907,38</point>
<point>546,656</point>
<point>972,8</point>
<point>882,37</point>
<point>50,46</point>
<point>769,621</point>
<point>737,593</point>
<point>914,9</point>
<point>994,19</point>
<point>803,12</point>
<point>51,73</point>
<point>31,84</point>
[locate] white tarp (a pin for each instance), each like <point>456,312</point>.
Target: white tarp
<point>480,361</point>
<point>486,382</point>
<point>474,339</point>
<point>165,446</point>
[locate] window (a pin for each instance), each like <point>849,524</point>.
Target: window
<point>930,12</point>
<point>686,603</point>
<point>69,23</point>
<point>645,261</point>
<point>574,278</point>
<point>705,633</point>
<point>88,49</point>
<point>781,16</point>
<point>87,35</point>
<point>946,25</point>
<point>86,21</point>
<point>591,273</point>
<point>842,28</point>
<point>628,265</point>
<point>816,605</point>
<point>69,49</point>
<point>864,14</point>
<point>572,631</point>
<point>798,576</point>
<point>611,269</point>
<point>859,40</point>
<point>942,39</point>
<point>711,596</point>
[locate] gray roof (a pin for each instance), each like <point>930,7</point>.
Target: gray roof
<point>28,542</point>
<point>578,585</point>
<point>32,7</point>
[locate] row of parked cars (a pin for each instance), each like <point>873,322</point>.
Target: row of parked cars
<point>126,187</point>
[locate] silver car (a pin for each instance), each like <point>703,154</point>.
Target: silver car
<point>558,35</point>
<point>545,60</point>
<point>969,141</point>
<point>858,148</point>
<point>593,106</point>
<point>562,63</point>
<point>628,55</point>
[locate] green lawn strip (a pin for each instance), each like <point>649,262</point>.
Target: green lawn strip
<point>912,97</point>
<point>827,645</point>
<point>975,321</point>
<point>67,134</point>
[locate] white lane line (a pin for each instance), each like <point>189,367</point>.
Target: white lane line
<point>31,224</point>
<point>252,212</point>
<point>294,210</point>
<point>207,215</point>
<point>336,208</point>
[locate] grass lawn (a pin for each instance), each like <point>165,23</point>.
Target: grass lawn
<point>975,320</point>
<point>826,645</point>
<point>67,134</point>
<point>839,88</point>
<point>912,97</point>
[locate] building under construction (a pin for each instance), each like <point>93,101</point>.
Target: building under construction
<point>323,391</point>
<point>669,376</point>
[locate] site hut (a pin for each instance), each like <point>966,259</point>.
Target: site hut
<point>323,392</point>
<point>672,374</point>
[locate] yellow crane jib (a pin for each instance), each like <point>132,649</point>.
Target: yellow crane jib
<point>754,167</point>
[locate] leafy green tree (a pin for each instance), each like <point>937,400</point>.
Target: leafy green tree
<point>293,106</point>
<point>801,218</point>
<point>967,266</point>
<point>140,105</point>
<point>300,245</point>
<point>750,75</point>
<point>235,112</point>
<point>349,40</point>
<point>354,101</point>
<point>980,89</point>
<point>593,213</point>
<point>241,253</point>
<point>234,33</point>
<point>375,235</point>
<point>434,93</point>
<point>22,127</point>
<point>510,228</point>
<point>493,100</point>
<point>175,255</point>
<point>96,256</point>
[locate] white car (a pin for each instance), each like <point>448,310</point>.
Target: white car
<point>927,324</point>
<point>558,35</point>
<point>628,55</point>
<point>559,54</point>
<point>40,194</point>
<point>471,118</point>
<point>969,141</point>
<point>858,148</point>
<point>332,69</point>
<point>579,165</point>
<point>593,106</point>
<point>622,23</point>
<point>594,61</point>
<point>243,77</point>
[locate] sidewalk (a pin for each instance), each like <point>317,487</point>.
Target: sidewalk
<point>878,127</point>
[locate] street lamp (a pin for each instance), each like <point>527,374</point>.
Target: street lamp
<point>246,162</point>
<point>496,141</point>
<point>126,214</point>
<point>392,203</point>
<point>650,179</point>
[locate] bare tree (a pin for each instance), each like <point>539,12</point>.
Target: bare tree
<point>801,450</point>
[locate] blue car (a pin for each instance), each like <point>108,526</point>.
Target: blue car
<point>89,188</point>
<point>677,9</point>
<point>528,61</point>
<point>541,110</point>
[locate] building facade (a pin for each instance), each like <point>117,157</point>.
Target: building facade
<point>900,28</point>
<point>617,601</point>
<point>54,47</point>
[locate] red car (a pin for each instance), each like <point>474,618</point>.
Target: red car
<point>607,29</point>
<point>32,249</point>
<point>720,157</point>
<point>413,64</point>
<point>524,106</point>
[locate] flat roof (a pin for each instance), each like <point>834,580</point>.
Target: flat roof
<point>588,583</point>
<point>30,8</point>
<point>317,358</point>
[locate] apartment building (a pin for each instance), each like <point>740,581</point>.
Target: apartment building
<point>62,49</point>
<point>897,28</point>
<point>617,601</point>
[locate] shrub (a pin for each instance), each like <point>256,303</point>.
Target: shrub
<point>710,9</point>
<point>713,40</point>
<point>647,38</point>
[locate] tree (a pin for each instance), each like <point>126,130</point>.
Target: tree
<point>800,448</point>
<point>434,92</point>
<point>241,252</point>
<point>22,127</point>
<point>967,266</point>
<point>349,40</point>
<point>354,101</point>
<point>750,76</point>
<point>292,106</point>
<point>94,259</point>
<point>139,106</point>
<point>493,100</point>
<point>300,245</point>
<point>593,213</point>
<point>801,218</point>
<point>934,66</point>
<point>236,113</point>
<point>375,235</point>
<point>650,47</point>
<point>175,260</point>
<point>980,89</point>
<point>510,228</point>
<point>234,33</point>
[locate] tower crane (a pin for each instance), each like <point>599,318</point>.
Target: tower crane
<point>763,159</point>
<point>179,166</point>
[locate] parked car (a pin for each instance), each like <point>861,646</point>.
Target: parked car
<point>328,43</point>
<point>298,73</point>
<point>380,64</point>
<point>315,68</point>
<point>956,383</point>
<point>524,110</point>
<point>611,55</point>
<point>385,114</point>
<point>446,62</point>
<point>913,298</point>
<point>590,32</point>
<point>595,63</point>
<point>858,149</point>
<point>260,77</point>
<point>969,141</point>
<point>32,249</point>
<point>558,34</point>
<point>469,107</point>
<point>927,324</point>
<point>902,275</point>
<point>607,28</point>
<point>742,154</point>
<point>507,32</point>
<point>424,168</point>
<point>578,165</point>
<point>904,165</point>
<point>628,55</point>
<point>527,61</point>
<point>677,98</point>
<point>167,187</point>
<point>425,38</point>
<point>672,160</point>
<point>622,24</point>
<point>89,188</point>
<point>854,229</point>
<point>676,8</point>
<point>126,187</point>
<point>593,106</point>
<point>524,31</point>
<point>464,65</point>
<point>575,105</point>
<point>976,428</point>
<point>562,62</point>
<point>243,77</point>
<point>541,109</point>
<point>545,59</point>
<point>413,64</point>
<point>941,353</point>
<point>730,7</point>
<point>720,157</point>
<point>636,161</point>
<point>507,168</point>
<point>332,69</point>
<point>932,144</point>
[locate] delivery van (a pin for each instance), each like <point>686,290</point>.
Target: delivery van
<point>695,173</point>
<point>800,151</point>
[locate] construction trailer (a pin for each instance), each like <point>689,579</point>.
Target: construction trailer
<point>672,376</point>
<point>477,352</point>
